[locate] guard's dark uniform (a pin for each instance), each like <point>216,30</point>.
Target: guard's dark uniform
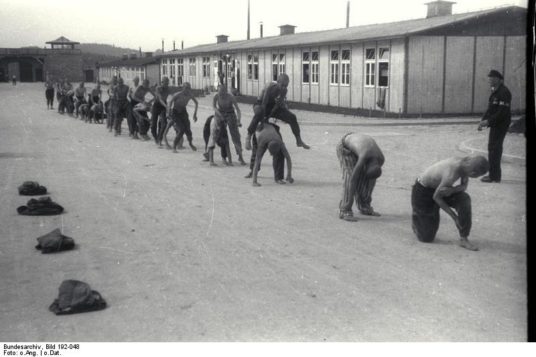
<point>499,117</point>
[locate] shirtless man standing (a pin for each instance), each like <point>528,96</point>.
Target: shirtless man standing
<point>96,95</point>
<point>80,94</point>
<point>176,111</point>
<point>131,120</point>
<point>434,189</point>
<point>158,112</point>
<point>49,92</point>
<point>110,110</point>
<point>121,105</point>
<point>361,161</point>
<point>224,104</point>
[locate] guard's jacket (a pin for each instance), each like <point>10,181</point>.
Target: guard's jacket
<point>498,113</point>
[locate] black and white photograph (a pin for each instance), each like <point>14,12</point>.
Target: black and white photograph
<point>391,205</point>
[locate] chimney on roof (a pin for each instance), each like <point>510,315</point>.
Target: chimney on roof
<point>221,38</point>
<point>439,8</point>
<point>286,30</point>
<point>174,45</point>
<point>261,30</point>
<point>182,45</point>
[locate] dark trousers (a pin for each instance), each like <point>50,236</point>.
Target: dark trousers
<point>110,113</point>
<point>121,111</point>
<point>221,141</point>
<point>495,150</point>
<point>181,124</point>
<point>425,216</point>
<point>79,102</point>
<point>49,94</point>
<point>131,119</point>
<point>69,104</point>
<point>281,114</point>
<point>143,123</point>
<point>278,161</point>
<point>158,121</point>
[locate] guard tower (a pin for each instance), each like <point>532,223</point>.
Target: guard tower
<point>62,43</point>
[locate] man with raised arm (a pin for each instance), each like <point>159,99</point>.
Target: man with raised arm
<point>176,111</point>
<point>435,188</point>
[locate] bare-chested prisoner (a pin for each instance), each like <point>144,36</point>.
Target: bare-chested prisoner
<point>222,140</point>
<point>140,108</point>
<point>49,92</point>
<point>110,107</point>
<point>434,189</point>
<point>80,98</point>
<point>158,112</point>
<point>131,119</point>
<point>121,105</point>
<point>269,138</point>
<point>178,115</point>
<point>361,161</point>
<point>225,105</point>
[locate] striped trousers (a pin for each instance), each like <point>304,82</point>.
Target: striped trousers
<point>361,189</point>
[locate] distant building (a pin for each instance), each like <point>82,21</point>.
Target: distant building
<point>433,65</point>
<point>130,66</point>
<point>61,60</point>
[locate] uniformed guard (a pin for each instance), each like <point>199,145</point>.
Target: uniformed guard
<point>497,118</point>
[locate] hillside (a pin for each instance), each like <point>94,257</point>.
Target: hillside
<point>105,50</point>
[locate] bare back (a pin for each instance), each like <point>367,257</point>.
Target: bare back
<point>441,174</point>
<point>364,147</point>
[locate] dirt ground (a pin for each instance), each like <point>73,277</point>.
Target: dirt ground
<point>185,252</point>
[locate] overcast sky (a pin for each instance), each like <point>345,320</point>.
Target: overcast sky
<point>136,23</point>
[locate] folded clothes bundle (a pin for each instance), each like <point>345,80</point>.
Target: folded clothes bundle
<point>43,206</point>
<point>32,188</point>
<point>54,242</point>
<point>76,296</point>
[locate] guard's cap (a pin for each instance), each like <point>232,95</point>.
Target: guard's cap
<point>495,73</point>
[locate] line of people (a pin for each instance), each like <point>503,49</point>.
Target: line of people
<point>360,157</point>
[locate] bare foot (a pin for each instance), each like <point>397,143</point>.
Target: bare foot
<point>256,184</point>
<point>464,243</point>
<point>241,161</point>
